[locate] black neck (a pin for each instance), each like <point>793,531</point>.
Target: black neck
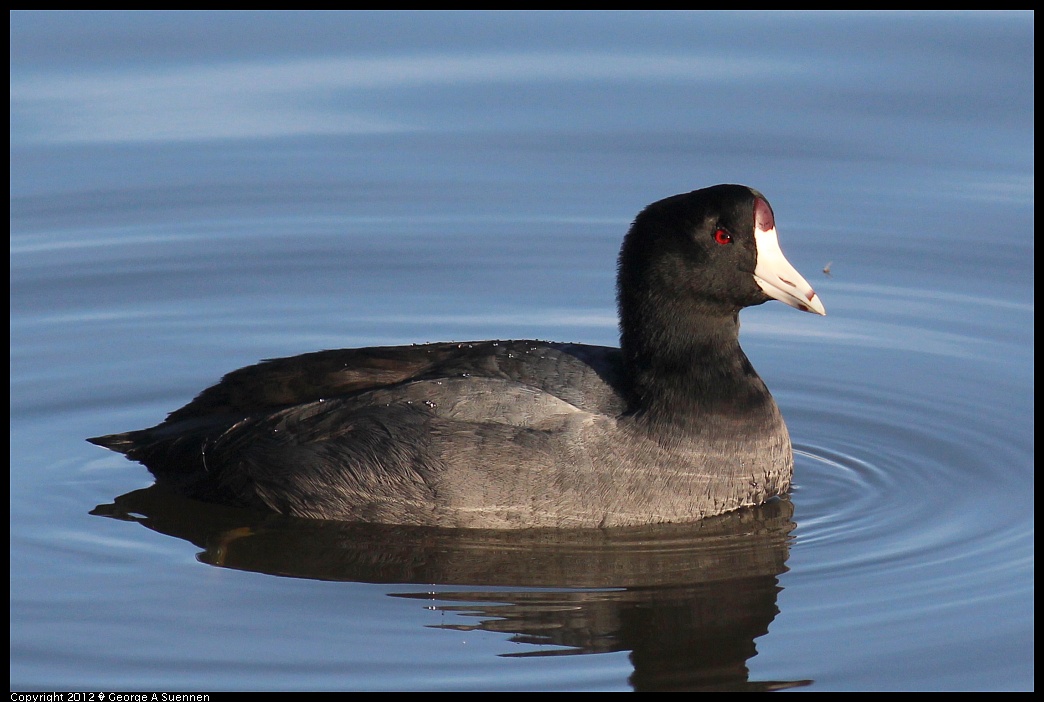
<point>680,375</point>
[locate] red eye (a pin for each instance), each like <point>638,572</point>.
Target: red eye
<point>722,237</point>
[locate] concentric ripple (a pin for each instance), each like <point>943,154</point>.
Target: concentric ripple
<point>901,467</point>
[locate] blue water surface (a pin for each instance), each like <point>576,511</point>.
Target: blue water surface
<point>192,192</point>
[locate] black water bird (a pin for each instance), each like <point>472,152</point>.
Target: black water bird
<point>673,426</point>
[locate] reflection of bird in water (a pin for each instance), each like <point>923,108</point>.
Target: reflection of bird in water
<point>685,601</point>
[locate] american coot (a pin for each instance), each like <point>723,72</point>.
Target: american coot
<point>674,426</point>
